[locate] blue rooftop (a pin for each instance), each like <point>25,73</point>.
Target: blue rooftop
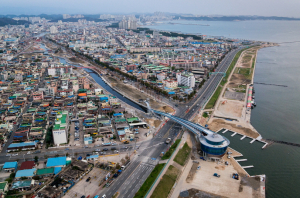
<point>25,173</point>
<point>122,132</point>
<point>57,170</point>
<point>56,161</point>
<point>88,138</point>
<point>118,114</point>
<point>92,156</point>
<point>12,145</point>
<point>10,165</point>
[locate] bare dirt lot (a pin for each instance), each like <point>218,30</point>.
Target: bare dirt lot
<point>137,95</point>
<point>238,79</point>
<point>194,193</point>
<point>154,123</point>
<point>192,172</point>
<point>230,108</point>
<point>76,60</point>
<point>218,124</point>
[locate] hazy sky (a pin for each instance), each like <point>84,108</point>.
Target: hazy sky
<point>289,8</point>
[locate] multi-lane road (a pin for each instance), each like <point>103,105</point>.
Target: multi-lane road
<point>133,177</point>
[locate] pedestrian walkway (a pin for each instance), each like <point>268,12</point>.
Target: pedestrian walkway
<point>171,162</point>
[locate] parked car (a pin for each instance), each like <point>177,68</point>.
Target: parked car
<point>37,152</point>
<point>105,149</point>
<point>97,149</point>
<point>198,167</point>
<point>66,149</point>
<point>216,175</point>
<point>88,179</point>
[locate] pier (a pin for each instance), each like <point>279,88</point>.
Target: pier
<point>241,160</point>
<point>251,166</point>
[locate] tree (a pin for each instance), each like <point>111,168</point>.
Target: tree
<point>46,156</point>
<point>36,159</point>
<point>118,166</point>
<point>56,155</point>
<point>36,177</point>
<point>127,157</point>
<point>67,154</point>
<point>123,161</point>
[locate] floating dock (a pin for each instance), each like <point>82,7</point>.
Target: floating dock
<point>241,160</point>
<point>251,166</point>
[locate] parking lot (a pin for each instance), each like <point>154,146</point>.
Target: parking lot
<point>87,188</point>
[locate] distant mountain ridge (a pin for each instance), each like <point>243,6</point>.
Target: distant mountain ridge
<point>9,21</point>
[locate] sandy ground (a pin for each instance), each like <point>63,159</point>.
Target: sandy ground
<point>154,123</point>
<point>217,124</point>
<point>230,108</point>
<point>205,181</point>
<point>87,188</point>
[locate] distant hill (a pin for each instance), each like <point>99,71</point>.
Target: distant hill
<point>76,19</point>
<point>237,18</point>
<point>8,21</point>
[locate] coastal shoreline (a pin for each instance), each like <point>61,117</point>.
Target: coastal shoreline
<point>226,118</point>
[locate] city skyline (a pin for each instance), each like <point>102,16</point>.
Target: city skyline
<point>215,7</point>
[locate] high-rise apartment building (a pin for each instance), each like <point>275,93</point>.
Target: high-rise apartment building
<point>53,30</point>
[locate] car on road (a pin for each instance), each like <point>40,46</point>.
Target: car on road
<point>168,140</point>
<point>116,151</point>
<point>103,196</point>
<point>176,105</point>
<point>82,196</point>
<point>97,149</point>
<point>88,179</point>
<point>105,149</point>
<point>124,147</point>
<point>28,153</point>
<point>37,152</point>
<point>8,155</point>
<point>113,148</point>
<point>66,149</point>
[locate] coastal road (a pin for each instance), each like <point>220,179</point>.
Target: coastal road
<point>130,181</point>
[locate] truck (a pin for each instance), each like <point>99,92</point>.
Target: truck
<point>168,140</point>
<point>125,165</point>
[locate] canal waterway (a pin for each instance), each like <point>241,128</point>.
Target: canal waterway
<point>105,86</point>
<point>278,111</point>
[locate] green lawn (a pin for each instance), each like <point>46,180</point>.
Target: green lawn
<point>211,103</point>
<point>168,154</point>
<point>247,72</point>
<point>149,181</point>
<point>205,115</point>
<point>165,185</point>
<point>182,154</point>
<point>253,62</point>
